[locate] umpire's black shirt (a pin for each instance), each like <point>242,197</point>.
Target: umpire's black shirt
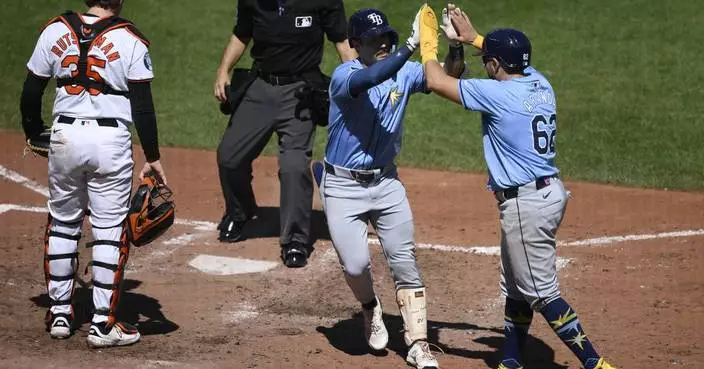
<point>288,34</point>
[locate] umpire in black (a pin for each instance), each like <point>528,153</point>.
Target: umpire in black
<point>288,37</point>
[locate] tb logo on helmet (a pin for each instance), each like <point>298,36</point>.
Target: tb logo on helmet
<point>375,18</point>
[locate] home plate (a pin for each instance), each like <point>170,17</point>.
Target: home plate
<point>221,265</point>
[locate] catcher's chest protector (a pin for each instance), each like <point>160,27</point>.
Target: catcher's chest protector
<point>88,36</point>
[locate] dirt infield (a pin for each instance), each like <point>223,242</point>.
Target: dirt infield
<point>631,267</point>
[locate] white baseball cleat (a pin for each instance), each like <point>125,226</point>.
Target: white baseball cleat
<point>120,334</point>
<point>420,356</point>
<point>374,328</point>
<point>60,326</point>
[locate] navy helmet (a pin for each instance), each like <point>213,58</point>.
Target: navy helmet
<point>510,47</point>
<point>369,23</point>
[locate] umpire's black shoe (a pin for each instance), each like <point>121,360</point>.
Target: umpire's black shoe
<point>294,255</point>
<point>231,231</point>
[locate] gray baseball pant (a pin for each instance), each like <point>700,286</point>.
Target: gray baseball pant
<point>348,206</point>
<point>529,226</point>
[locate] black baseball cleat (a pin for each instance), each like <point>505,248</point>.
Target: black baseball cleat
<point>231,231</point>
<point>59,325</point>
<point>294,255</point>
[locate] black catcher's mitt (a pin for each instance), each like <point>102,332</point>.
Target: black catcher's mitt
<point>39,144</point>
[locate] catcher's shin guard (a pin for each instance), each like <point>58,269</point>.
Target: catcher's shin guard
<point>60,265</point>
<point>411,305</point>
<point>110,252</point>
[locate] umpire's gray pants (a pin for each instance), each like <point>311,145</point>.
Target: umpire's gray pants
<point>529,225</point>
<point>348,206</point>
<point>266,109</point>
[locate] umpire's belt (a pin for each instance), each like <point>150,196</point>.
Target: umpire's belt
<point>279,80</point>
<point>365,176</point>
<point>103,122</point>
<point>512,193</point>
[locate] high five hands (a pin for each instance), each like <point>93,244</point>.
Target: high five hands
<point>456,26</point>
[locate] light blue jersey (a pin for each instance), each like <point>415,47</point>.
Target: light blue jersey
<point>365,131</point>
<point>519,124</point>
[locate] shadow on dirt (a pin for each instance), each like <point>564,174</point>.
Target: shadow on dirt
<point>266,224</point>
<point>132,307</point>
<point>347,336</point>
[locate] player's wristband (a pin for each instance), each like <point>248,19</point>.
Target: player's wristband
<point>478,41</point>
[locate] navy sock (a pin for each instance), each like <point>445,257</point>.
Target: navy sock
<point>517,319</point>
<point>369,305</point>
<point>564,321</point>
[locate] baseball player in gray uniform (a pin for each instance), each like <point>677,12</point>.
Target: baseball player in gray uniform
<point>360,184</point>
<point>103,71</point>
<point>519,122</point>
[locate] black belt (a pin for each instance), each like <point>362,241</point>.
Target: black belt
<point>103,122</point>
<point>279,80</point>
<point>512,193</point>
<point>362,176</point>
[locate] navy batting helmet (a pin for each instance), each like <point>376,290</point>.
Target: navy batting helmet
<point>368,23</point>
<point>510,46</point>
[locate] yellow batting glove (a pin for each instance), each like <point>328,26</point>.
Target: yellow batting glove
<point>428,34</point>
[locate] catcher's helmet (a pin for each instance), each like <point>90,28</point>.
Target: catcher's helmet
<point>510,46</point>
<point>368,23</point>
<point>151,213</point>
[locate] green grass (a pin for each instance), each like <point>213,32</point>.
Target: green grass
<point>628,77</point>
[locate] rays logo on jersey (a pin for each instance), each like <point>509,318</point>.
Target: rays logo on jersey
<point>394,96</point>
<point>147,61</point>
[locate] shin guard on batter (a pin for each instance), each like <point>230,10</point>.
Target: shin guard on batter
<point>110,252</point>
<point>60,265</point>
<point>411,305</point>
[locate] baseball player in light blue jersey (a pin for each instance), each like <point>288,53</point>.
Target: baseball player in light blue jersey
<point>519,123</point>
<point>368,99</point>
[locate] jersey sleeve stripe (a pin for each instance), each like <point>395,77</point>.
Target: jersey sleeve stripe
<point>347,84</point>
<point>38,75</point>
<point>459,88</point>
<point>140,80</point>
<point>140,38</point>
<point>50,22</point>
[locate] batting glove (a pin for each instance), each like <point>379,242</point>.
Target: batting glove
<point>414,39</point>
<point>448,29</point>
<point>428,34</point>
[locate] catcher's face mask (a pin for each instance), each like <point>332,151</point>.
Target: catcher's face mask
<point>152,211</point>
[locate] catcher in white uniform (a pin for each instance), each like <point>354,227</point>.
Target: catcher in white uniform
<point>102,68</point>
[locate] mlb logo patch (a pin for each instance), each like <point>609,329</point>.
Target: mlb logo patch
<point>304,22</point>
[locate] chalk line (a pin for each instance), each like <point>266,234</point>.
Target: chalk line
<point>480,250</point>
